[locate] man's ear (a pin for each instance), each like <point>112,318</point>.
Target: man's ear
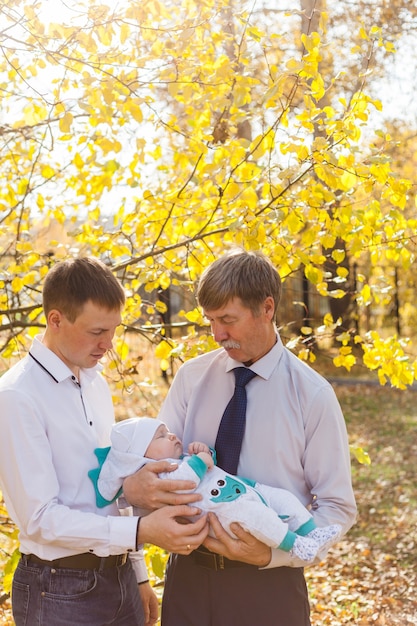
<point>269,307</point>
<point>54,319</point>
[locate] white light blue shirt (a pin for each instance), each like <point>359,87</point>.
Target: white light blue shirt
<point>49,428</point>
<point>295,435</point>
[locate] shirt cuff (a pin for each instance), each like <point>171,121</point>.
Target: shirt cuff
<point>123,534</point>
<point>139,566</point>
<point>280,558</point>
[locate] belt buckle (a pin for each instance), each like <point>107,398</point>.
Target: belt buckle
<point>210,560</point>
<point>218,562</point>
<point>116,560</point>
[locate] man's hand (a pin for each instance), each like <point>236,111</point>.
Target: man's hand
<point>150,603</point>
<point>245,548</point>
<point>171,529</point>
<point>146,490</point>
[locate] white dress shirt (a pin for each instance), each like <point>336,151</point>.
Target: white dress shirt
<point>295,436</point>
<point>50,424</point>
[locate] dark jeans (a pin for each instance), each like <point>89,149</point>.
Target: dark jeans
<point>42,596</point>
<point>238,596</point>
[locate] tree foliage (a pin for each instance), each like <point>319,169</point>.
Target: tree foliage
<point>156,135</point>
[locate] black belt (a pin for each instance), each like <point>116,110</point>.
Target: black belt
<point>79,561</point>
<point>209,559</point>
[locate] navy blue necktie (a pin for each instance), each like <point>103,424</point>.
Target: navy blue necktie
<point>232,425</point>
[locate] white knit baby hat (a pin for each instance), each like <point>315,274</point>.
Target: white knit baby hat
<point>130,439</point>
<point>134,435</point>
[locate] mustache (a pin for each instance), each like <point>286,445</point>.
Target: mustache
<point>229,344</point>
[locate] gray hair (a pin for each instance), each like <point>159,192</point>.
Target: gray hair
<point>242,274</point>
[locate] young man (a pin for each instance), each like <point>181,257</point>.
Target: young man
<point>295,438</point>
<point>80,564</point>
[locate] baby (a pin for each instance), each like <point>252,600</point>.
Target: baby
<point>274,516</point>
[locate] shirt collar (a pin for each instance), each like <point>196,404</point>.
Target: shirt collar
<point>55,366</point>
<point>264,366</point>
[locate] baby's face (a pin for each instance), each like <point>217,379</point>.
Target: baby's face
<point>164,445</point>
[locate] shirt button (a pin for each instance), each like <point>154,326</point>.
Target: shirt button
<point>53,571</point>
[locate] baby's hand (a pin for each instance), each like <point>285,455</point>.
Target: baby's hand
<point>207,459</point>
<point>196,446</point>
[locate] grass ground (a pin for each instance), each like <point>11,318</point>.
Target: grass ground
<point>369,578</point>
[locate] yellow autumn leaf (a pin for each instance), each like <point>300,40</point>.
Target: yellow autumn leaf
<point>65,122</point>
<point>94,214</point>
<point>22,186</point>
<point>376,30</point>
<point>380,171</point>
<point>30,278</point>
<point>361,455</point>
<point>338,255</point>
<point>33,114</point>
<point>389,47</point>
<point>163,350</point>
<point>105,144</point>
<point>122,349</point>
<point>196,317</point>
<point>317,88</point>
<point>324,17</point>
<point>365,295</point>
<point>17,284</point>
<point>302,152</point>
<point>249,197</point>
<point>328,320</point>
<point>345,360</point>
<point>78,161</point>
<point>336,293</point>
<point>164,280</point>
<point>105,34</point>
<point>255,34</point>
<point>164,364</point>
<point>348,180</point>
<point>313,274</point>
<point>310,41</point>
<point>294,222</point>
<point>124,32</point>
<point>294,66</point>
<point>161,307</point>
<point>47,171</point>
<point>87,41</point>
<point>342,272</point>
<point>135,111</point>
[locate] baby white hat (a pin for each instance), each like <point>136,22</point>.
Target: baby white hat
<point>134,435</point>
<point>130,439</point>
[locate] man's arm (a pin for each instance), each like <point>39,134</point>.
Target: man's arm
<point>31,487</point>
<point>327,468</point>
<point>150,603</point>
<point>146,490</point>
